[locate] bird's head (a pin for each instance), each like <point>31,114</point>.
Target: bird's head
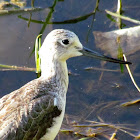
<point>63,44</point>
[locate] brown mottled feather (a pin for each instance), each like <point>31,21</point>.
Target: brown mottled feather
<point>25,114</point>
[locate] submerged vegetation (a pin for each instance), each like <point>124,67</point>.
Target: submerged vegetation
<point>82,126</point>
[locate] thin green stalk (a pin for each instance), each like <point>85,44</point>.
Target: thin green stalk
<point>120,52</point>
<point>122,17</point>
<point>119,11</point>
<point>48,18</point>
<point>37,58</point>
<point>12,67</point>
<point>93,19</point>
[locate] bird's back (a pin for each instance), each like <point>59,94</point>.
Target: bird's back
<point>29,112</point>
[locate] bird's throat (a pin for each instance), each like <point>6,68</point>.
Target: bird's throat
<point>56,70</point>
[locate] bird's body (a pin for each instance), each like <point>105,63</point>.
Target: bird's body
<point>29,112</point>
<point>36,110</point>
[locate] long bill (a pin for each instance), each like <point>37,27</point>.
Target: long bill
<point>90,53</point>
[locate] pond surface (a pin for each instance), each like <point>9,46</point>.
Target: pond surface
<point>93,95</point>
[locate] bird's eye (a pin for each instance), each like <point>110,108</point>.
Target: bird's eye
<point>65,41</point>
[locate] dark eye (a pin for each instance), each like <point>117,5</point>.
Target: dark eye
<point>65,41</point>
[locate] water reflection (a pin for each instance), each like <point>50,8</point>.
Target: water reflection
<point>93,96</point>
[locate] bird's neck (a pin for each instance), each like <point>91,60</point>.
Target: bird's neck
<point>57,70</point>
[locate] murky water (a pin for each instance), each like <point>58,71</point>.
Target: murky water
<point>93,95</point>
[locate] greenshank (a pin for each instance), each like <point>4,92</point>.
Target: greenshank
<point>36,110</point>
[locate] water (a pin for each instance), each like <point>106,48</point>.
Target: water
<point>93,95</point>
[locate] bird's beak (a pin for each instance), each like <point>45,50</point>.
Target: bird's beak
<point>90,53</point>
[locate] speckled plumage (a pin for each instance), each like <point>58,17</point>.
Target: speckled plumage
<point>30,112</point>
<point>27,113</point>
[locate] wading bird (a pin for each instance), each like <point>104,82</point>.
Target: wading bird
<point>36,110</point>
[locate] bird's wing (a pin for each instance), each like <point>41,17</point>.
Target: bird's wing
<point>25,114</point>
